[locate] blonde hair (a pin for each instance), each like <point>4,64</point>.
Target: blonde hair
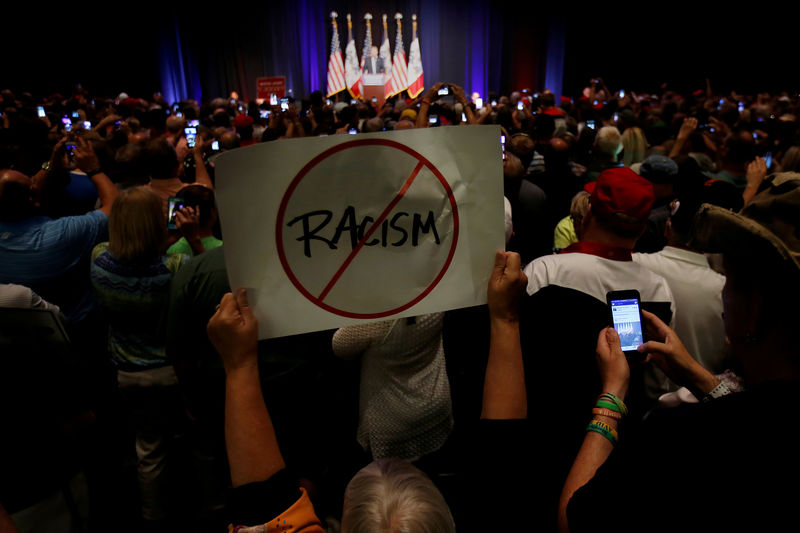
<point>634,146</point>
<point>137,228</point>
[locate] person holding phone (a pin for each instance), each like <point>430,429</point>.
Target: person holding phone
<point>50,255</point>
<point>563,309</point>
<point>745,473</point>
<point>196,221</point>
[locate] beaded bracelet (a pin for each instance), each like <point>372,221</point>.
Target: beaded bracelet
<point>604,429</point>
<point>607,412</point>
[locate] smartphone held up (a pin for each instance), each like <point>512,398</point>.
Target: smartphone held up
<point>625,316</point>
<point>174,204</point>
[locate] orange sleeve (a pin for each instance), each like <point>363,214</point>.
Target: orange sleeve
<point>299,518</point>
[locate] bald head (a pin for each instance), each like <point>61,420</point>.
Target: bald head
<point>559,145</point>
<point>229,140</point>
<point>404,125</point>
<point>15,195</point>
<point>175,124</point>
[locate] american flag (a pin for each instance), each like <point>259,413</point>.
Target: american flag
<point>386,57</point>
<point>416,79</point>
<point>367,48</point>
<point>352,74</point>
<point>336,83</point>
<point>399,81</point>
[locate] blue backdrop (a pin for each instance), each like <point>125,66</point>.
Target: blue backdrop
<point>461,42</point>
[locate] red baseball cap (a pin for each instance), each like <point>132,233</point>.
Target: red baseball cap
<point>621,197</point>
<point>242,121</point>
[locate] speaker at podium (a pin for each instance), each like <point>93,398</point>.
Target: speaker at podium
<point>374,88</point>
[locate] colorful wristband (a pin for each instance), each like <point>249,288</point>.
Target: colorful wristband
<point>604,429</point>
<point>607,412</point>
<point>607,405</point>
<point>619,405</point>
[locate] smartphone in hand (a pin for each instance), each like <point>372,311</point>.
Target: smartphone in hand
<point>174,204</point>
<point>625,316</point>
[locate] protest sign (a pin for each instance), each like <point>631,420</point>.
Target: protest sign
<point>332,231</point>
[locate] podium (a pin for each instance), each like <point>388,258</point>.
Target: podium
<point>374,88</point>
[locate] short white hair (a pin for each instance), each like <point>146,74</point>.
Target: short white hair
<point>393,496</point>
<point>608,141</point>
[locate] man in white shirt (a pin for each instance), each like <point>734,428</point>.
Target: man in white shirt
<point>697,288</point>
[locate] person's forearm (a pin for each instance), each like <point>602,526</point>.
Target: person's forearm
<point>470,115</point>
<point>253,452</point>
<point>201,176</point>
<point>422,116</point>
<point>106,191</point>
<point>701,381</point>
<point>677,147</point>
<point>196,245</point>
<point>748,193</point>
<point>594,451</point>
<point>504,393</point>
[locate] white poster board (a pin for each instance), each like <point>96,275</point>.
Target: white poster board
<point>331,231</point>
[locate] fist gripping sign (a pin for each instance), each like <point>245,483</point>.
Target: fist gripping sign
<point>339,230</point>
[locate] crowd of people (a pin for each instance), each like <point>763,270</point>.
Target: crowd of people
<point>135,393</point>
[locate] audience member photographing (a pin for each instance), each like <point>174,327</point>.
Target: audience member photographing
<point>694,443</point>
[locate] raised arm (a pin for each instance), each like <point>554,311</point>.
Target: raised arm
<point>756,172</point>
<point>188,221</point>
<point>201,176</point>
<point>688,126</point>
<point>461,98</point>
<point>504,394</point>
<point>253,452</point>
<point>86,160</point>
<point>56,164</point>
<point>601,434</point>
<point>424,106</point>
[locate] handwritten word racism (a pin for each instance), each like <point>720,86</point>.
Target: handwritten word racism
<point>394,230</point>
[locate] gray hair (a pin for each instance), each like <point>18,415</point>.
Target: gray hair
<point>393,496</point>
<point>608,141</point>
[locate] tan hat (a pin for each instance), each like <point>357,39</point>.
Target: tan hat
<point>769,224</point>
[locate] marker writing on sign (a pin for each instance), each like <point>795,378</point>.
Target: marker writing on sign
<point>396,226</point>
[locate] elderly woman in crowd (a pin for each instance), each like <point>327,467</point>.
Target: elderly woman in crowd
<point>131,276</point>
